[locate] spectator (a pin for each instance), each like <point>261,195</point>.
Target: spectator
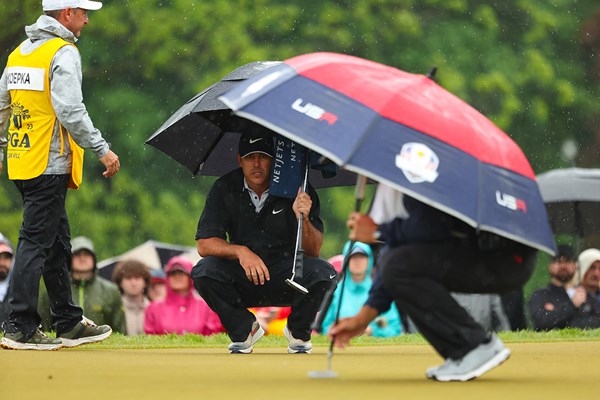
<point>588,274</point>
<point>98,297</point>
<point>6,262</point>
<point>157,289</point>
<point>357,284</point>
<point>247,238</point>
<point>553,308</point>
<point>133,279</point>
<point>486,310</point>
<point>182,310</point>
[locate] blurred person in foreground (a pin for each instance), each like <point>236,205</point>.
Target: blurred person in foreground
<point>559,305</point>
<point>41,107</point>
<point>429,254</point>
<point>6,262</point>
<point>356,291</point>
<point>182,310</point>
<point>133,279</point>
<point>99,298</point>
<point>250,269</point>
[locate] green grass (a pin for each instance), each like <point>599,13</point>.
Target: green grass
<point>119,341</point>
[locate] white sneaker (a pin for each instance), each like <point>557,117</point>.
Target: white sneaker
<point>246,346</point>
<point>296,345</point>
<point>477,362</point>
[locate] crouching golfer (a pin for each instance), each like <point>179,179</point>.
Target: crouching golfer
<point>41,105</point>
<point>429,254</point>
<point>250,269</point>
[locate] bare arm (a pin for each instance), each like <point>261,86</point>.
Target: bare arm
<point>254,267</point>
<point>362,228</point>
<point>312,238</point>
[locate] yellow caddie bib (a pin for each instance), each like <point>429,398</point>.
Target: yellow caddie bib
<point>32,117</point>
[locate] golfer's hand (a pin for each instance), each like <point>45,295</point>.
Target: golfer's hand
<point>302,204</point>
<point>362,228</point>
<point>254,267</point>
<point>111,162</point>
<point>346,329</point>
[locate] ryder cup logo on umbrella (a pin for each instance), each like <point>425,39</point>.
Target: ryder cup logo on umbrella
<point>418,162</point>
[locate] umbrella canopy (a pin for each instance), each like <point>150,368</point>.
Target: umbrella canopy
<point>404,130</point>
<point>203,123</point>
<point>152,253</point>
<point>203,134</point>
<point>572,197</point>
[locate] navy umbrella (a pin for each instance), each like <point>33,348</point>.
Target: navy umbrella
<point>404,130</point>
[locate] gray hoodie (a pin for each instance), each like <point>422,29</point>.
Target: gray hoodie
<point>67,98</point>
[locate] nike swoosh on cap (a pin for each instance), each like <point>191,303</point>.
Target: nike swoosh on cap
<point>331,276</point>
<point>252,141</point>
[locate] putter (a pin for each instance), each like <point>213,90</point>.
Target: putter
<point>330,373</point>
<point>298,266</point>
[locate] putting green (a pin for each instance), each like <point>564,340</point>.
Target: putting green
<point>559,370</point>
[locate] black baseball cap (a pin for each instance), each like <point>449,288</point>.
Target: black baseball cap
<point>564,253</point>
<point>256,143</point>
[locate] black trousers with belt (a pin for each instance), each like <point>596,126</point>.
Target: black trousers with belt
<point>420,277</point>
<point>44,249</point>
<point>228,292</point>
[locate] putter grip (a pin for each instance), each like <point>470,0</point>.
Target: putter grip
<point>299,263</point>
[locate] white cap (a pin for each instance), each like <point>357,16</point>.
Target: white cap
<point>51,5</point>
<point>586,259</point>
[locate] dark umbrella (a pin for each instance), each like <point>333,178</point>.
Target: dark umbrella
<point>203,134</point>
<point>193,132</point>
<point>406,131</point>
<point>572,198</point>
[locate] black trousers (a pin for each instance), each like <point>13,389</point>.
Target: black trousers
<point>420,277</point>
<point>44,249</point>
<point>228,292</point>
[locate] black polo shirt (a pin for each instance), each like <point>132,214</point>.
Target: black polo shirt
<point>230,215</point>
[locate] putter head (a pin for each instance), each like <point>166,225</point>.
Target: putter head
<point>322,374</point>
<point>296,286</point>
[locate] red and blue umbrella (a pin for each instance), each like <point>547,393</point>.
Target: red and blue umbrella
<point>404,130</point>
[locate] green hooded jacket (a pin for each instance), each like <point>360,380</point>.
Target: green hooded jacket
<point>100,299</point>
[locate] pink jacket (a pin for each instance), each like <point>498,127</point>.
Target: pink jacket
<point>179,314</point>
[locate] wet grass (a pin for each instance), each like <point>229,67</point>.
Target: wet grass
<point>119,341</point>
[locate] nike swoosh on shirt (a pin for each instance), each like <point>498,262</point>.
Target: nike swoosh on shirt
<point>277,211</point>
<point>252,141</point>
